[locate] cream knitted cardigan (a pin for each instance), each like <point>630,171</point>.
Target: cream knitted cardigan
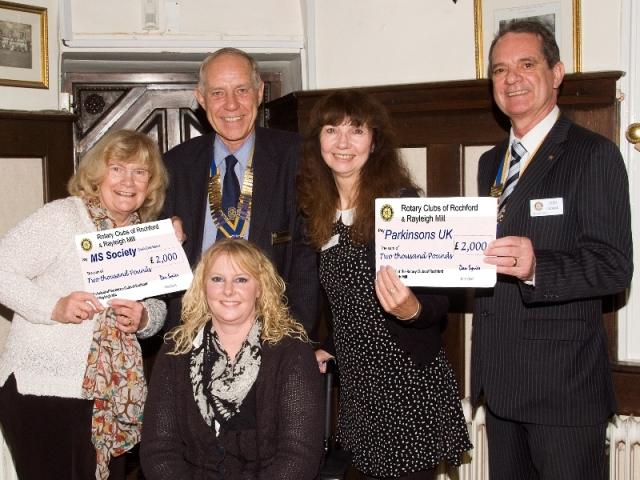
<point>38,266</point>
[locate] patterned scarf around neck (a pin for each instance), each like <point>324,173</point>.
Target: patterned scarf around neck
<point>100,215</point>
<point>114,378</point>
<point>220,385</point>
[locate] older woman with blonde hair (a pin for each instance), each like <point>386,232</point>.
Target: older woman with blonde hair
<point>110,157</point>
<point>71,381</point>
<point>235,392</point>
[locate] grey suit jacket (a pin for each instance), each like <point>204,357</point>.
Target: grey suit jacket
<point>275,226</point>
<point>540,353</point>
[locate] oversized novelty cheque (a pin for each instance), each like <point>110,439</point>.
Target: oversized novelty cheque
<point>133,262</point>
<point>436,242</point>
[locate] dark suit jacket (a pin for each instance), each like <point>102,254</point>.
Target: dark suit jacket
<point>273,213</point>
<point>540,353</point>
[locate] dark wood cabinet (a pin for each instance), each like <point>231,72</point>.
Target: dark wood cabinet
<point>45,135</point>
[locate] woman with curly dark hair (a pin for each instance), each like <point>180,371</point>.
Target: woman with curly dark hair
<point>400,413</point>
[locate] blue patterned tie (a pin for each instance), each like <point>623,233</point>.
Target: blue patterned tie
<point>517,152</point>
<point>230,191</point>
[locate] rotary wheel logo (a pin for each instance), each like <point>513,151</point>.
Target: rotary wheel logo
<point>386,212</point>
<point>86,244</point>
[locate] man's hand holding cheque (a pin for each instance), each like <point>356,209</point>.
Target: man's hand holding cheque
<point>512,256</point>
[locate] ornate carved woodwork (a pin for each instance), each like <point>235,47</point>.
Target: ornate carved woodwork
<point>159,104</point>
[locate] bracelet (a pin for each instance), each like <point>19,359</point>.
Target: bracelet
<point>411,318</point>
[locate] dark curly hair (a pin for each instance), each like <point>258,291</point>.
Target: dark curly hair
<point>383,174</point>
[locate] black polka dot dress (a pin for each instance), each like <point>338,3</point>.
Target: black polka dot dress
<point>394,417</point>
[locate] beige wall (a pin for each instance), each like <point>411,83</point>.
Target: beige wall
<point>208,18</point>
<point>601,25</point>
<point>364,42</point>
<point>185,25</point>
<point>21,190</point>
<point>349,43</point>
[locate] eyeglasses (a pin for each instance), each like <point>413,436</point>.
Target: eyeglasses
<point>139,175</point>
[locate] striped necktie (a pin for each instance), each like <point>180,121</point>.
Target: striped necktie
<point>517,152</point>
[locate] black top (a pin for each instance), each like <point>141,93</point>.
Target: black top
<point>419,338</point>
<point>287,442</point>
<point>399,405</point>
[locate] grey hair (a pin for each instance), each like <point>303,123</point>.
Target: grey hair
<point>255,74</point>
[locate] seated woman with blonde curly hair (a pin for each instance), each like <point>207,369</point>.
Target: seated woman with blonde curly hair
<point>236,392</point>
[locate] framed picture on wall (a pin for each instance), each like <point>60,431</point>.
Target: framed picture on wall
<point>561,16</point>
<point>24,57</point>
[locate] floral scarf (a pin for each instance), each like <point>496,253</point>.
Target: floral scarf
<point>100,216</point>
<point>114,378</point>
<point>220,385</point>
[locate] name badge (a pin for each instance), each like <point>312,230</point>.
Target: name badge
<point>543,207</point>
<point>280,237</point>
<point>333,241</point>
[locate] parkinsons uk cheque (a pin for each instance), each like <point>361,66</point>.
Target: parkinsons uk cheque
<point>436,242</point>
<point>133,262</point>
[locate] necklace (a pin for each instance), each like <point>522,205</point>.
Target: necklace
<point>498,184</point>
<point>233,223</point>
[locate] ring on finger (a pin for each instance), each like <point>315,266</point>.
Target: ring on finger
<point>515,262</point>
<point>391,290</point>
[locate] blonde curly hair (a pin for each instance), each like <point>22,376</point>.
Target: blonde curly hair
<point>126,146</point>
<point>271,305</point>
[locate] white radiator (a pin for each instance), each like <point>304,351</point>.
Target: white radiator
<point>475,465</point>
<point>7,471</point>
<point>623,437</point>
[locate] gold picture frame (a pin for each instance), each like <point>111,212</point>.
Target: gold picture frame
<point>24,46</point>
<point>489,13</point>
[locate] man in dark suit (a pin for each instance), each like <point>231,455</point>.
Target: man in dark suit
<point>258,164</point>
<point>564,241</point>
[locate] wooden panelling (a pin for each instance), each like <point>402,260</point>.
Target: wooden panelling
<point>46,135</point>
<point>626,381</point>
<point>463,111</point>
<point>444,170</point>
